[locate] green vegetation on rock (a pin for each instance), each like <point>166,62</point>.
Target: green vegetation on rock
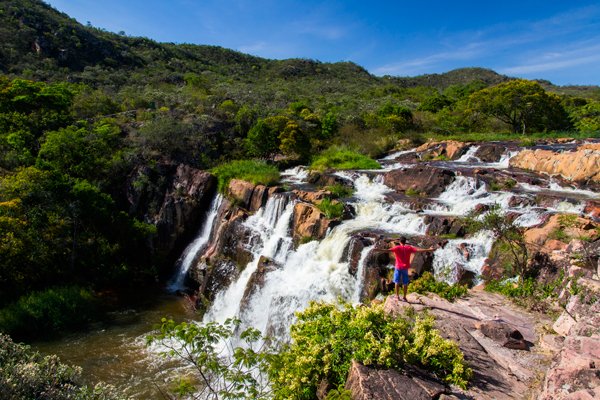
<point>426,283</point>
<point>257,172</point>
<point>342,158</point>
<point>326,338</point>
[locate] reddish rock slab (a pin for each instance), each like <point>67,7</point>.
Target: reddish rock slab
<point>368,383</point>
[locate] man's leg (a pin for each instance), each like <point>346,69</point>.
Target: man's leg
<point>405,283</point>
<point>397,280</point>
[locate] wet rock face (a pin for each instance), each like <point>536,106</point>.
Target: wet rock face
<point>491,152</point>
<point>173,198</point>
<point>257,279</point>
<point>425,179</point>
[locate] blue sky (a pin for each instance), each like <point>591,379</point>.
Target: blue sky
<point>557,40</point>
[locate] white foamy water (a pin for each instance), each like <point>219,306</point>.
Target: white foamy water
<point>271,226</point>
<point>295,175</point>
<point>463,194</point>
<point>469,156</point>
<point>449,260</point>
<point>194,249</point>
<point>397,154</point>
<point>315,270</point>
<point>555,187</point>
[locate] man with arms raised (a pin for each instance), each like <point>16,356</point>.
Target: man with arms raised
<point>403,253</point>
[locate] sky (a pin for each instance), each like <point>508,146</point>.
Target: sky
<point>556,40</point>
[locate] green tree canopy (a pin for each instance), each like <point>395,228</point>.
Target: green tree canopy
<point>523,105</point>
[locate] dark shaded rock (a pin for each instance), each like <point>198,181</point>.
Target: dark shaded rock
<point>491,152</point>
<point>368,383</point>
<point>503,333</point>
<point>464,277</point>
<point>428,180</point>
<point>326,179</point>
<point>257,279</point>
<point>352,253</point>
<point>443,225</point>
<point>172,197</point>
<point>219,276</point>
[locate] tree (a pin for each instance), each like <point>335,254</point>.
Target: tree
<point>263,138</point>
<point>587,118</point>
<point>294,142</point>
<point>506,231</point>
<point>523,105</point>
<point>224,371</point>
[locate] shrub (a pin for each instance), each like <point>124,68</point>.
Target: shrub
<point>26,374</point>
<point>339,157</point>
<point>427,283</point>
<point>339,190</point>
<point>331,209</point>
<point>49,311</point>
<point>257,172</point>
<point>326,338</point>
<point>222,373</point>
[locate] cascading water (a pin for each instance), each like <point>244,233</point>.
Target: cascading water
<point>469,156</point>
<point>271,230</point>
<point>315,270</point>
<point>194,249</point>
<point>450,260</point>
<point>464,194</point>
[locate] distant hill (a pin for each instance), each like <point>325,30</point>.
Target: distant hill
<point>39,42</point>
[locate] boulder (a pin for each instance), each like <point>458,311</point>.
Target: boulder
<point>368,383</point>
<point>451,149</point>
<point>248,195</point>
<point>309,221</point>
<point>592,209</point>
<point>490,152</point>
<point>422,179</point>
<point>582,165</point>
<point>438,225</point>
<point>311,196</point>
<point>503,333</point>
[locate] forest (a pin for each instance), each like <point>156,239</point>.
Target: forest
<point>83,110</point>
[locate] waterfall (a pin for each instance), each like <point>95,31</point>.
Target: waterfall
<point>469,156</point>
<point>295,175</point>
<point>195,248</point>
<point>315,270</point>
<point>463,194</point>
<point>271,225</point>
<point>447,261</point>
<point>505,159</point>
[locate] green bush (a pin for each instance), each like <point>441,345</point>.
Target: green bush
<point>339,190</point>
<point>326,338</point>
<point>257,172</point>
<point>339,157</point>
<point>26,374</point>
<point>427,283</point>
<point>48,312</point>
<point>331,209</point>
